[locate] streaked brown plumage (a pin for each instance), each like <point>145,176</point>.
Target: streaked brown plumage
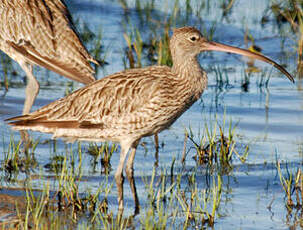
<point>129,105</point>
<point>40,32</point>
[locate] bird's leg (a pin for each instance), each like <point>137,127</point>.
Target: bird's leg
<point>129,169</point>
<point>32,88</point>
<point>26,141</point>
<point>119,175</point>
<point>156,139</point>
<point>31,93</point>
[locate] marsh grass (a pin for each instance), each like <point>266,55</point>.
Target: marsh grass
<point>47,208</point>
<point>154,50</point>
<point>216,147</point>
<point>156,214</point>
<point>134,44</point>
<point>7,69</point>
<point>175,203</point>
<point>15,161</point>
<point>292,185</point>
<point>221,76</point>
<point>289,18</point>
<point>61,204</point>
<point>104,152</point>
<point>99,51</point>
<point>201,207</point>
<point>93,41</point>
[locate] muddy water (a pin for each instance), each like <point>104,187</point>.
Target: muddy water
<point>269,118</point>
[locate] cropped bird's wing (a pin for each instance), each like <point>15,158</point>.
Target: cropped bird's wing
<point>119,105</point>
<point>42,31</point>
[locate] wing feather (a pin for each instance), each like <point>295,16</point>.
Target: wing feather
<point>114,95</point>
<point>43,28</point>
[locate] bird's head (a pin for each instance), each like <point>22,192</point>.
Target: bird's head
<point>188,42</point>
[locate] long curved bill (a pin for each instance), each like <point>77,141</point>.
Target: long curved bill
<point>208,45</point>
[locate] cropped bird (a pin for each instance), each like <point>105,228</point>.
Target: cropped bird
<point>135,103</point>
<point>41,32</point>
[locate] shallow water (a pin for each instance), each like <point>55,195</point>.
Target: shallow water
<point>270,118</point>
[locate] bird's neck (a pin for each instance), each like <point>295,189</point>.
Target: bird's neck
<point>190,72</point>
<point>186,67</point>
<point>189,69</point>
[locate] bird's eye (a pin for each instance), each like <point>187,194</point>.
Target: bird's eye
<point>193,38</point>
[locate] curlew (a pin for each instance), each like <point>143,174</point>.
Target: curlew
<point>40,32</point>
<point>135,103</point>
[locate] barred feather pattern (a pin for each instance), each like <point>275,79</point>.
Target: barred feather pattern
<point>129,104</point>
<point>41,32</point>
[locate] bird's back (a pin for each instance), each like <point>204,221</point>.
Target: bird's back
<point>41,32</point>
